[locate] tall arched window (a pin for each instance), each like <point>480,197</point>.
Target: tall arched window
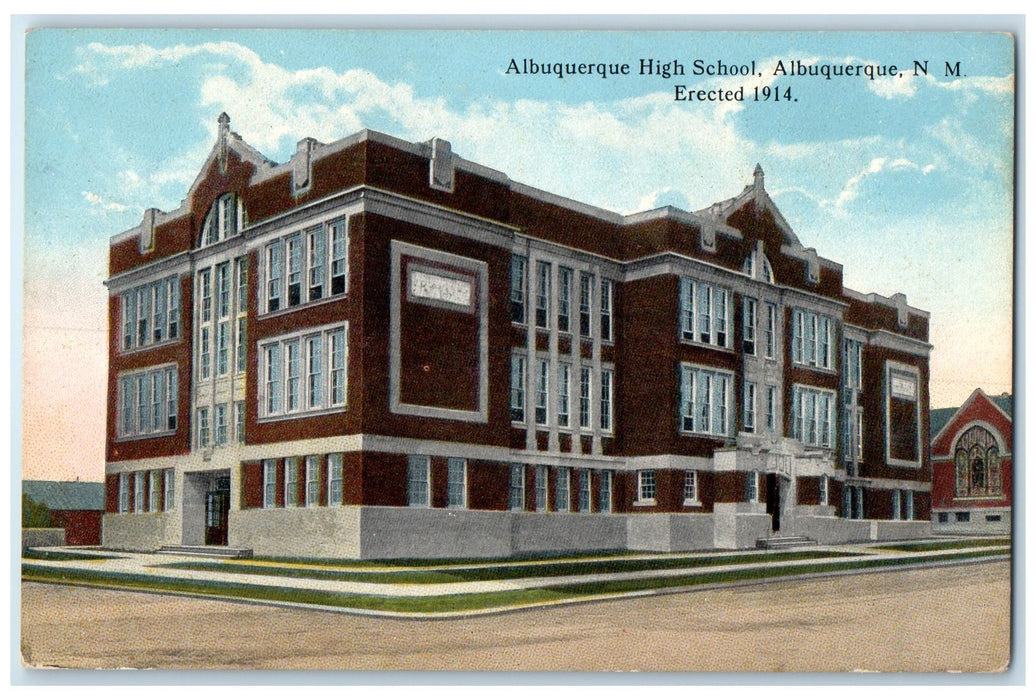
<point>977,464</point>
<point>226,218</point>
<point>757,266</point>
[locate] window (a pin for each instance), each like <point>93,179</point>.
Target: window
<point>325,377</point>
<point>752,487</point>
<point>542,294</point>
<point>313,266</point>
<point>703,313</point>
<point>139,504</point>
<point>564,298</point>
<point>902,417</point>
<point>151,313</point>
<point>147,402</point>
<point>417,475</point>
<point>269,483</point>
<point>242,345</point>
<point>312,480</point>
<point>897,505</point>
<point>205,352</point>
<point>519,270</point>
<point>962,516</point>
<point>241,273</point>
<point>823,486</point>
<point>748,325</point>
<point>771,408</point>
<point>977,464</point>
<point>239,421</point>
<point>748,412</point>
<point>456,483</point>
<point>690,487</point>
<point>153,491</point>
<point>204,428</point>
<point>334,479</point>
<point>604,493</point>
<point>221,424</point>
<point>518,388</point>
<point>703,400</point>
<point>223,348</point>
<point>811,339</point>
<point>169,481</point>
<point>541,489</point>
<point>291,482</point>
<point>606,400</point>
<point>606,309</point>
<point>585,383</point>
<point>812,416</point>
<point>944,517</point>
<point>516,492</point>
<point>908,505</point>
<point>562,490</point>
<point>770,345</point>
<point>564,382</point>
<point>584,490</point>
<point>646,486</point>
<point>847,502</point>
<point>542,387</point>
<point>586,281</point>
<point>226,218</point>
<point>124,492</point>
<point>852,376</point>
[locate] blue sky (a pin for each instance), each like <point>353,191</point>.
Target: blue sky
<point>906,181</point>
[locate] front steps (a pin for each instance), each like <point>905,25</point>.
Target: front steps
<point>783,542</point>
<point>207,551</point>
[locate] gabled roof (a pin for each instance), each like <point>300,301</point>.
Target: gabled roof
<point>720,211</point>
<point>941,418</point>
<point>66,495</point>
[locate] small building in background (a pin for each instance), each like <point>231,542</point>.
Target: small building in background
<point>972,466</point>
<point>75,506</point>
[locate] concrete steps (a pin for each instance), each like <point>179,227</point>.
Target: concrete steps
<point>209,551</point>
<point>783,542</point>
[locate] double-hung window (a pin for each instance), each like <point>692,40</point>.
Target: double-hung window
<point>269,483</point>
<point>607,382</point>
<point>584,490</point>
<point>147,402</point>
<point>542,390</point>
<point>124,492</point>
<point>564,383</point>
<point>519,273</point>
<point>704,313</point>
<point>646,486</point>
<point>150,313</point>
<point>752,487</point>
<point>771,408</point>
<point>312,480</point>
<point>586,286</point>
<point>542,294</point>
<point>562,489</point>
<point>334,479</point>
<point>770,341</point>
<point>221,424</point>
<point>811,339</point>
<point>690,487</point>
<point>607,288</point>
<point>518,370</point>
<point>748,309</point>
<point>417,479</point>
<point>291,481</point>
<point>541,488</point>
<point>303,373</point>
<point>704,400</point>
<point>812,415</point>
<point>824,490</point>
<point>306,266</point>
<point>748,413</point>
<point>169,483</point>
<point>153,491</point>
<point>456,483</point>
<point>564,298</point>
<point>516,492</point>
<point>585,385</point>
<point>139,504</point>
<point>604,493</point>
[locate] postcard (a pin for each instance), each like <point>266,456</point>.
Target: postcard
<point>500,350</point>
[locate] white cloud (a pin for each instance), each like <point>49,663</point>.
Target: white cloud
<point>851,190</point>
<point>98,200</point>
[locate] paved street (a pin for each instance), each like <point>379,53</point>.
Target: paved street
<point>946,618</point>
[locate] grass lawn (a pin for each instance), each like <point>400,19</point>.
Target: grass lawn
<point>942,545</point>
<point>468,601</point>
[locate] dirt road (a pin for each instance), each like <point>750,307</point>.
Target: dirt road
<point>952,618</point>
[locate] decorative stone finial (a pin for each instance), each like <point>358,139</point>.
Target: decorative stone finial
<point>758,175</point>
<point>224,137</point>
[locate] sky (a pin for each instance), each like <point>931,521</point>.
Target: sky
<point>907,180</point>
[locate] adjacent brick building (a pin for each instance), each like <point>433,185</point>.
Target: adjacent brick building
<point>380,349</point>
<point>972,465</point>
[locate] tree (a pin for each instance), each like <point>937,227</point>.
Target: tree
<point>34,514</point>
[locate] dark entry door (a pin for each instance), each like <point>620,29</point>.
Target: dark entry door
<point>773,501</point>
<point>217,511</point>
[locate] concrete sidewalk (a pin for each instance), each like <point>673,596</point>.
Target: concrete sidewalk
<point>154,565</point>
